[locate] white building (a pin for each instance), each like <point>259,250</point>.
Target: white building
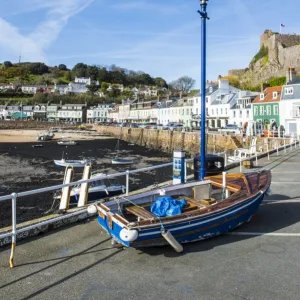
<point>6,86</point>
<point>98,113</point>
<point>86,81</point>
<point>144,111</point>
<point>113,114</point>
<point>179,111</point>
<point>119,87</point>
<point>72,112</point>
<point>219,103</point>
<point>289,108</point>
<point>211,87</point>
<point>241,112</point>
<point>29,89</point>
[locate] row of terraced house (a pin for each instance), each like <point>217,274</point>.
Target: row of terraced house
<point>224,105</point>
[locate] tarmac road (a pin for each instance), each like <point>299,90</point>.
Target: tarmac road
<point>79,263</point>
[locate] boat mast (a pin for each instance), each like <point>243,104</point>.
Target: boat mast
<point>204,17</point>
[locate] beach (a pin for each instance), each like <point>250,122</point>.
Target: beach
<point>23,167</point>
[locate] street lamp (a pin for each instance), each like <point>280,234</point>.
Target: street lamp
<point>204,17</point>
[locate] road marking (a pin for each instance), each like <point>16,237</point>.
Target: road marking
<point>284,182</point>
<point>281,201</point>
<point>264,233</point>
<point>285,172</point>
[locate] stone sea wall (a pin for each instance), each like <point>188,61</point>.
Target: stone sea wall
<point>167,141</point>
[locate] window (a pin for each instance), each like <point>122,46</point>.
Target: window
<point>289,91</point>
<point>255,110</point>
<point>216,111</point>
<point>196,111</point>
<point>248,114</point>
<point>262,96</point>
<point>234,113</point>
<point>261,110</point>
<point>221,111</point>
<point>206,99</point>
<point>226,111</point>
<point>275,95</point>
<point>241,113</point>
<point>275,108</point>
<point>268,110</point>
<point>212,111</point>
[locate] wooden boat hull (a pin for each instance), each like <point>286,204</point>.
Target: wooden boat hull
<point>192,227</point>
<point>191,231</point>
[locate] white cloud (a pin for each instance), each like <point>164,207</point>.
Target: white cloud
<point>32,47</point>
<point>12,40</point>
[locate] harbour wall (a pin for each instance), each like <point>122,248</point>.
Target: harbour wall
<point>167,141</point>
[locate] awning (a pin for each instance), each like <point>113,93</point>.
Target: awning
<point>19,115</point>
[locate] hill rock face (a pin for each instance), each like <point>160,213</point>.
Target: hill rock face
<point>277,54</point>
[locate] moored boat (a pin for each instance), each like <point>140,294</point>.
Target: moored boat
<point>122,161</point>
<point>45,136</point>
<point>97,190</point>
<point>67,143</point>
<point>72,163</point>
<point>131,222</point>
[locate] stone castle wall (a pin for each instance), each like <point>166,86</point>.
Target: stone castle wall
<point>284,53</point>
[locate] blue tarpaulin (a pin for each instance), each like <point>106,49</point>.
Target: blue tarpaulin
<point>167,206</point>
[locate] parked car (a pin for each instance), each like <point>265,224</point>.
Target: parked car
<point>154,126</point>
<point>233,128</point>
<point>144,125</point>
<point>133,125</point>
<point>176,127</point>
<point>162,127</point>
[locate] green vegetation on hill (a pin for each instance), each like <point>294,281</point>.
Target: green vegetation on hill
<point>39,73</point>
<point>262,53</point>
<point>277,81</point>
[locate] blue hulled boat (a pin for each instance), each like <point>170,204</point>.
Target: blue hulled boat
<point>208,212</point>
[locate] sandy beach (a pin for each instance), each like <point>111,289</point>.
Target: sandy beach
<point>29,136</point>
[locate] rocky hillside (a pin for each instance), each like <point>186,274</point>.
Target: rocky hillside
<point>277,53</point>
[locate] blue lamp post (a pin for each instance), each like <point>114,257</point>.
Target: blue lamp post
<point>204,17</point>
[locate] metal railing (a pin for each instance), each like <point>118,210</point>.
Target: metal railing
<point>15,196</point>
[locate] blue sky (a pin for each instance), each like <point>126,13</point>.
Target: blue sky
<point>160,37</point>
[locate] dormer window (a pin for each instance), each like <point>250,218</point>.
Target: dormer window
<point>262,96</point>
<point>289,91</point>
<point>275,95</point>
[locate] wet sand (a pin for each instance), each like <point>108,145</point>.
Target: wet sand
<point>29,136</point>
<point>25,168</point>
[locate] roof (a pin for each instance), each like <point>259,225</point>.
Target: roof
<point>224,98</point>
<point>268,95</point>
<point>294,96</point>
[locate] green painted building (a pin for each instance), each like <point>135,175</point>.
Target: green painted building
<point>265,107</point>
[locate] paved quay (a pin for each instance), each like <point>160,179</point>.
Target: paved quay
<point>260,260</point>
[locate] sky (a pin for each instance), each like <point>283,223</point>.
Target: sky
<point>159,37</point>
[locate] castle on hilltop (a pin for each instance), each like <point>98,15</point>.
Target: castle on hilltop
<point>280,52</point>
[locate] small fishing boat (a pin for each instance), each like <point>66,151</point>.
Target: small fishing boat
<point>122,161</point>
<point>67,143</point>
<point>97,190</point>
<point>37,146</point>
<point>45,136</point>
<point>134,221</point>
<point>72,163</point>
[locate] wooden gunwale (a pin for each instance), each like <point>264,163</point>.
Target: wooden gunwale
<point>230,202</point>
